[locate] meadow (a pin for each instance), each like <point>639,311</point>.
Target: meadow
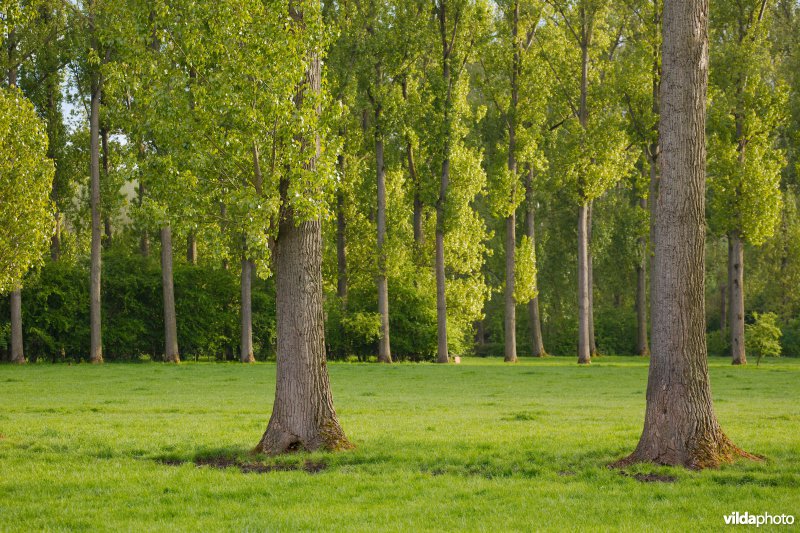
<point>480,446</point>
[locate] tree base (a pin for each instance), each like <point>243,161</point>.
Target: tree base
<point>704,453</point>
<point>277,440</point>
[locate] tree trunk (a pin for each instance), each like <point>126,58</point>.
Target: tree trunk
<point>590,267</point>
<point>191,248</point>
<point>17,350</point>
<point>584,346</point>
<point>534,319</point>
<point>107,232</point>
<point>170,324</point>
<point>642,347</point>
<point>510,314</point>
<point>680,426</point>
<point>441,301</point>
<point>384,348</point>
<point>246,342</point>
<point>96,351</point>
<point>341,243</point>
<point>303,416</point>
<point>737,299</point>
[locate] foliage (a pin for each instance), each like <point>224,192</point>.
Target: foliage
<point>763,336</point>
<point>26,177</point>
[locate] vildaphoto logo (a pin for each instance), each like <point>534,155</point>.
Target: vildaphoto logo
<point>747,519</point>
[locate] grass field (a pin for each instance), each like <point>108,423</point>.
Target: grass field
<point>481,446</point>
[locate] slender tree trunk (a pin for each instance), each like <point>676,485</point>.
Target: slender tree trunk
<point>384,347</point>
<point>107,232</point>
<point>510,311</point>
<point>534,319</point>
<point>642,347</point>
<point>341,243</point>
<point>171,354</point>
<point>17,350</point>
<point>680,426</point>
<point>53,119</point>
<point>590,277</point>
<point>729,321</point>
<point>191,248</point>
<point>723,309</point>
<point>246,342</point>
<point>584,347</point>
<point>419,236</point>
<point>144,238</point>
<point>510,301</point>
<point>441,301</point>
<point>96,351</point>
<point>303,416</point>
<point>738,355</point>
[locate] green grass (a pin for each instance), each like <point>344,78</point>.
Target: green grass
<point>482,446</point>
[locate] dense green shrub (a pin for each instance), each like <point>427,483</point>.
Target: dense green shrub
<point>719,343</point>
<point>56,311</point>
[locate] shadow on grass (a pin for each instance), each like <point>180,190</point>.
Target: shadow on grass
<point>245,461</point>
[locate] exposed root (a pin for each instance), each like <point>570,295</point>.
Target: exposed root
<point>277,440</point>
<point>703,454</point>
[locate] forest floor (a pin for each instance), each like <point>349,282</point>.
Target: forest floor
<point>478,446</point>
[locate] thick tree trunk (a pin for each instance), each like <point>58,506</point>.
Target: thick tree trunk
<point>96,349</point>
<point>642,347</point>
<point>246,341</point>
<point>736,262</point>
<point>584,341</point>
<point>680,426</point>
<point>17,350</point>
<point>384,347</point>
<point>168,290</point>
<point>303,417</point>
<point>534,319</point>
<point>191,248</point>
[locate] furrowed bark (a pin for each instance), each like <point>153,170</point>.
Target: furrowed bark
<point>680,426</point>
<point>303,417</point>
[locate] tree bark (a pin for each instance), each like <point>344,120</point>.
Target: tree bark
<point>680,426</point>
<point>17,350</point>
<point>736,262</point>
<point>584,346</point>
<point>384,347</point>
<point>510,301</point>
<point>441,301</point>
<point>723,309</point>
<point>642,347</point>
<point>246,303</point>
<point>191,248</point>
<point>341,242</point>
<point>534,319</point>
<point>303,416</point>
<point>171,354</point>
<point>510,311</point>
<point>96,350</point>
<point>590,279</point>
<point>107,232</point>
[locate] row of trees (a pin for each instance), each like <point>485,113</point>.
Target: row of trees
<point>199,92</point>
<point>446,129</point>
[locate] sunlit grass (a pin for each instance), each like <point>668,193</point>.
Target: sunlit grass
<point>477,446</point>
